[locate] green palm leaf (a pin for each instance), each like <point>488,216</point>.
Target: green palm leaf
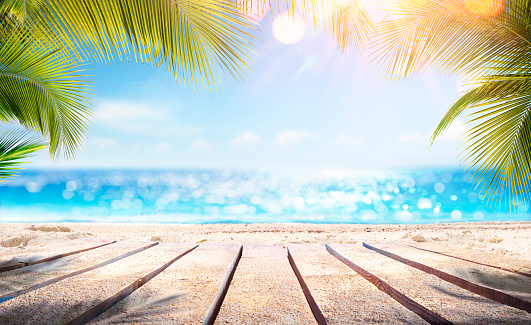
<point>45,41</point>
<point>491,45</point>
<point>42,86</point>
<point>16,145</point>
<point>22,10</point>
<point>194,40</point>
<point>347,20</point>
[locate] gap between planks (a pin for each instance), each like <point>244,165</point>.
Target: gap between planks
<point>486,292</point>
<point>17,293</point>
<point>426,314</point>
<point>319,317</point>
<point>100,308</point>
<point>20,265</point>
<point>471,261</point>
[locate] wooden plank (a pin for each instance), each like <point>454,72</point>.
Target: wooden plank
<point>14,256</point>
<point>309,298</point>
<point>61,302</point>
<point>453,279</point>
<point>224,288</point>
<point>21,281</point>
<point>451,302</point>
<point>18,262</point>
<point>265,290</point>
<point>100,308</point>
<point>497,261</point>
<point>343,296</point>
<point>184,293</point>
<point>426,314</point>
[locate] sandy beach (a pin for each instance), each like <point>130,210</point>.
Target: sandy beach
<point>508,238</point>
<point>264,289</point>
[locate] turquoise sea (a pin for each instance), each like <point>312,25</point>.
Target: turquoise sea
<point>246,196</point>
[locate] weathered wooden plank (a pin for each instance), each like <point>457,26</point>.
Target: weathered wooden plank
<point>344,296</point>
<point>497,261</point>
<point>265,290</point>
<point>224,288</point>
<point>321,320</point>
<point>423,312</point>
<point>100,308</point>
<point>451,302</point>
<point>20,262</point>
<point>15,255</point>
<point>183,294</point>
<point>437,265</point>
<point>21,281</point>
<point>63,301</point>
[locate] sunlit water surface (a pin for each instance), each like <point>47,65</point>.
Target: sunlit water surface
<point>213,196</point>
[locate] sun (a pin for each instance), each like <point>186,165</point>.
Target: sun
<point>287,29</point>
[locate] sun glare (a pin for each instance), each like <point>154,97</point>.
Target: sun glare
<point>487,8</point>
<point>287,29</point>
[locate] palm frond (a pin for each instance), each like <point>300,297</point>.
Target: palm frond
<point>16,145</point>
<point>22,10</point>
<point>498,146</point>
<point>448,36</point>
<point>195,40</point>
<point>490,41</point>
<point>42,86</point>
<point>347,20</point>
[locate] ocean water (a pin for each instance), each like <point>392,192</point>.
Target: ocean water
<point>246,196</point>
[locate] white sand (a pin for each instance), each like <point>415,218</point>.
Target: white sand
<point>509,238</point>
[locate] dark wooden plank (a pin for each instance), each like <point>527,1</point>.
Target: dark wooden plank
<point>313,305</point>
<point>513,270</point>
<point>216,306</point>
<point>19,265</point>
<point>185,293</point>
<point>61,302</point>
<point>345,297</point>
<point>264,290</point>
<point>14,255</point>
<point>111,301</point>
<point>415,307</point>
<point>486,292</point>
<point>17,293</point>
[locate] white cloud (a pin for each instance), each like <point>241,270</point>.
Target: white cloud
<point>103,143</point>
<point>141,120</point>
<point>201,144</point>
<point>248,138</point>
<point>412,138</point>
<point>112,111</point>
<point>163,146</point>
<point>290,137</point>
<point>348,141</point>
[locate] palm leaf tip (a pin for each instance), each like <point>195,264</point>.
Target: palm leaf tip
<point>15,147</point>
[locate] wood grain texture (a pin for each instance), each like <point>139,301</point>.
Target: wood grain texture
<point>265,290</point>
<point>19,265</point>
<point>313,305</point>
<point>114,299</point>
<point>486,292</point>
<point>454,255</point>
<point>224,288</point>
<point>410,304</point>
<point>14,294</point>
<point>345,297</point>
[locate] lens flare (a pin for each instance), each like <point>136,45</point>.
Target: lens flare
<point>486,8</point>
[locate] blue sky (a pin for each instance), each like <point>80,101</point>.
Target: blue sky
<point>305,106</point>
